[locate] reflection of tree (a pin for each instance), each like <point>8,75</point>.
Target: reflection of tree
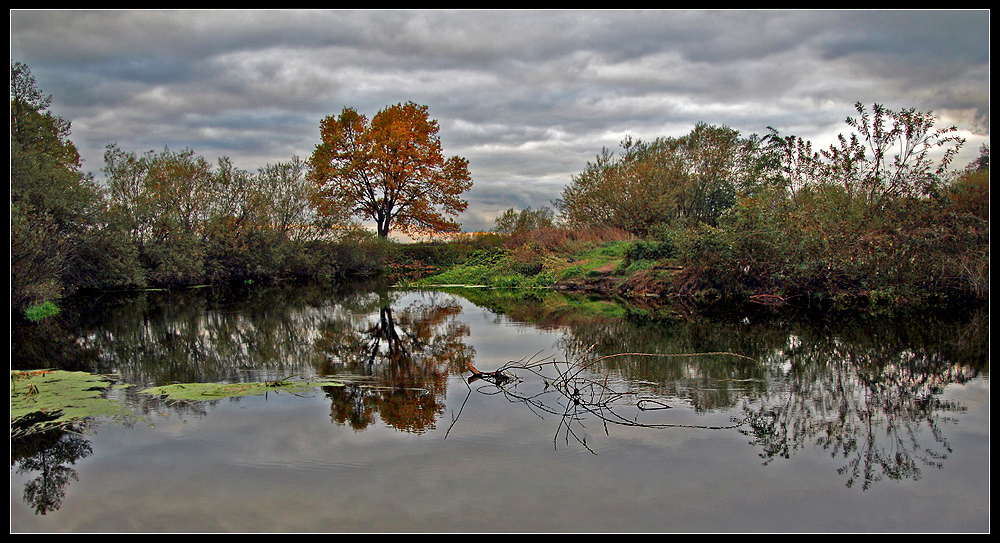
<point>213,334</point>
<point>875,407</point>
<point>224,335</point>
<point>866,388</point>
<point>47,344</point>
<point>408,351</point>
<point>50,454</point>
<point>407,409</point>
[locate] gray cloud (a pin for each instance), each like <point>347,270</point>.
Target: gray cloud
<point>528,96</point>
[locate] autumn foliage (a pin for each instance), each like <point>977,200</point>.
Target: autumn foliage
<point>390,170</point>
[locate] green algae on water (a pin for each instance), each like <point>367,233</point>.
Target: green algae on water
<point>46,399</point>
<point>216,391</point>
<point>49,399</point>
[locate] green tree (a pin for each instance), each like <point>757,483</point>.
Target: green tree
<point>891,155</point>
<point>693,178</point>
<point>165,200</point>
<point>259,223</point>
<point>287,197</point>
<point>518,222</point>
<point>192,222</point>
<point>53,203</point>
<point>391,171</point>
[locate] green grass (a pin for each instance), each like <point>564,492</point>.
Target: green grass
<point>603,259</point>
<point>497,269</point>
<point>532,266</point>
<point>42,311</point>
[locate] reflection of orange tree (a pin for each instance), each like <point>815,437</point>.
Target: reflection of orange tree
<point>408,353</point>
<point>407,409</point>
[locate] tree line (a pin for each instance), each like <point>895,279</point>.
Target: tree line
<point>171,218</point>
<point>880,211</point>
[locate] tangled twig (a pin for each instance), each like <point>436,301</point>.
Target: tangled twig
<point>571,395</point>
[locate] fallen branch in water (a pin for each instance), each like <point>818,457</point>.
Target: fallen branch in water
<point>496,377</point>
<point>567,393</point>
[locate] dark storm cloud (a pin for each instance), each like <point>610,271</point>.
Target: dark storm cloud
<point>528,96</point>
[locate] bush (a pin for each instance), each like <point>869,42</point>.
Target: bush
<point>651,250</point>
<point>568,241</point>
<point>41,311</point>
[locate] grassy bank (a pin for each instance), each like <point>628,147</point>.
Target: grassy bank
<point>710,266</point>
<point>546,258</point>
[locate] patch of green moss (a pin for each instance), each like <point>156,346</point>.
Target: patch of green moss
<point>46,399</point>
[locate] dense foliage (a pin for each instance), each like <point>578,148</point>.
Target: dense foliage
<point>390,170</point>
<point>878,216</point>
<point>665,182</point>
<point>166,218</point>
<point>513,221</point>
<point>54,206</point>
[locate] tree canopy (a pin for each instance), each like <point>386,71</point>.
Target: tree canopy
<point>517,222</point>
<point>51,200</point>
<point>694,177</point>
<point>390,170</point>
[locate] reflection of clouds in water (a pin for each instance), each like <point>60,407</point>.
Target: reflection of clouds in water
<point>279,463</point>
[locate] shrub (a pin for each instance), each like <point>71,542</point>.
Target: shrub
<point>41,311</point>
<point>651,250</point>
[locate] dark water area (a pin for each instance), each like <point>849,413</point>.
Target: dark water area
<point>490,411</point>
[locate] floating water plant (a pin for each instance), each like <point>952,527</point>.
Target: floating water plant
<point>216,391</point>
<point>46,399</point>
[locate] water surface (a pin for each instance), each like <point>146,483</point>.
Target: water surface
<point>603,418</point>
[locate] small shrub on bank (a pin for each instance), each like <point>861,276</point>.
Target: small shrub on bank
<point>41,311</point>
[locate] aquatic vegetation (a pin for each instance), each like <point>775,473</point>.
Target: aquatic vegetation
<point>216,391</point>
<point>46,399</point>
<point>49,399</point>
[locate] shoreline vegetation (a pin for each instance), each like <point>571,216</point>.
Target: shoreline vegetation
<point>880,219</point>
<point>612,265</point>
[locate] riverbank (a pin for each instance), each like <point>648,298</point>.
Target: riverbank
<point>610,264</point>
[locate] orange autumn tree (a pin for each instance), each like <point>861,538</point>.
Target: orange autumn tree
<point>390,171</point>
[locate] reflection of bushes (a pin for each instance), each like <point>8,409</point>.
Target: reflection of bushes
<point>873,400</point>
<point>875,407</point>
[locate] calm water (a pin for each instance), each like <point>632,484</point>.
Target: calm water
<point>602,419</point>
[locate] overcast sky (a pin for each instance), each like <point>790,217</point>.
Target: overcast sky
<point>529,97</point>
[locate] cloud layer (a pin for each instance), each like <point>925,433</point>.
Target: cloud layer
<point>527,96</point>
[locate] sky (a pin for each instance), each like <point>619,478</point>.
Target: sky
<point>529,97</point>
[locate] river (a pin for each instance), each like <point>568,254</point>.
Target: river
<point>489,411</point>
